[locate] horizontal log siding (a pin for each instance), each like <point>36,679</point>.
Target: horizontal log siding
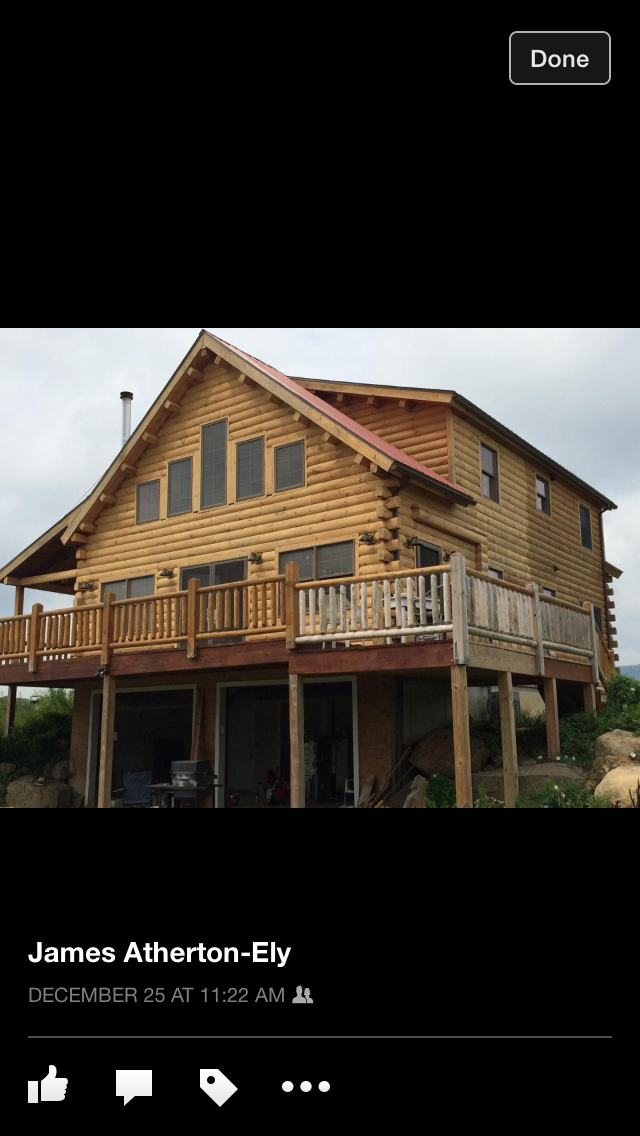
<point>522,542</point>
<point>338,503</point>
<point>421,431</point>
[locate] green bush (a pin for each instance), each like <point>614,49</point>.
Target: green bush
<point>484,801</point>
<point>579,732</point>
<point>43,735</point>
<point>563,795</point>
<point>441,793</point>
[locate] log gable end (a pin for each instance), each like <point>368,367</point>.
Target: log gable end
<point>338,501</point>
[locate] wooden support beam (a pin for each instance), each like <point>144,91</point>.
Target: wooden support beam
<point>245,381</point>
<point>359,458</point>
<point>78,538</point>
<point>18,601</point>
<point>106,741</point>
<point>81,554</point>
<point>150,439</point>
<point>459,609</point>
<point>172,407</point>
<point>595,643</point>
<point>296,733</point>
<point>207,356</point>
<point>509,740</point>
<point>385,557</point>
<point>553,717</point>
<point>128,470</point>
<point>590,700</point>
<point>406,404</point>
<point>34,637</point>
<point>330,438</point>
<point>195,375</point>
<point>373,468</point>
<point>373,401</point>
<point>87,527</point>
<point>107,498</point>
<point>342,399</point>
<point>300,418</point>
<point>461,737</point>
<point>292,603</point>
<point>10,709</point>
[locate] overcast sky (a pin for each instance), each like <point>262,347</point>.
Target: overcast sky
<point>574,392</point>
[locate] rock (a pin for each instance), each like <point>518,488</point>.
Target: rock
<point>434,753</point>
<point>24,794</point>
<point>7,767</point>
<point>619,784</point>
<point>604,765</point>
<point>59,771</point>
<point>617,743</point>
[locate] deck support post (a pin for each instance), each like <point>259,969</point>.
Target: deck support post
<point>590,702</point>
<point>461,737</point>
<point>292,603</point>
<point>34,637</point>
<point>509,740</point>
<point>106,741</point>
<point>459,609</point>
<point>553,717</point>
<point>12,692</point>
<point>296,729</point>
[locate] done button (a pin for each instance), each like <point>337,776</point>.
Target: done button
<point>554,59</point>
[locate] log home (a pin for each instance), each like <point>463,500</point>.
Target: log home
<point>283,574</point>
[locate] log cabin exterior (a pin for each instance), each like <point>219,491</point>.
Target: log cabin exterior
<point>345,549</point>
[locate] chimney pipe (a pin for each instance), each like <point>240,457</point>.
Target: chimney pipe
<point>127,399</point>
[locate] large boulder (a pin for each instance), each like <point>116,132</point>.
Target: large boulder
<point>59,771</point>
<point>25,794</point>
<point>617,743</point>
<point>613,750</point>
<point>434,753</point>
<point>619,785</point>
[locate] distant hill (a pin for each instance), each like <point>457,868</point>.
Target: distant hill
<point>633,671</point>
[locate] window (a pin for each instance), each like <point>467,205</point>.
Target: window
<point>585,527</point>
<point>304,558</point>
<point>490,485</point>
<point>597,611</point>
<point>335,560</point>
<point>250,469</point>
<point>147,502</point>
<point>214,464</point>
<point>323,563</point>
<point>549,592</point>
<point>496,573</point>
<point>180,482</point>
<point>543,496</point>
<point>137,588</point>
<point>427,555</point>
<point>289,463</point>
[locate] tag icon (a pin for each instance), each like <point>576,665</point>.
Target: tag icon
<point>217,1086</point>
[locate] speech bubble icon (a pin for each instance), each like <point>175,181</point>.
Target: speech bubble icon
<point>132,1083</point>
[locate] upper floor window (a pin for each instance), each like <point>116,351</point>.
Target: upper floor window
<point>490,481</point>
<point>134,589</point>
<point>214,464</point>
<point>147,502</point>
<point>585,527</point>
<point>543,496</point>
<point>497,573</point>
<point>250,469</point>
<point>289,466</point>
<point>323,563</point>
<point>428,555</point>
<point>180,487</point>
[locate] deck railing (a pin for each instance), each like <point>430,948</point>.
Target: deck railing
<point>446,602</point>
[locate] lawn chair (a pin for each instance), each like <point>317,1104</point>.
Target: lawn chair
<point>137,790</point>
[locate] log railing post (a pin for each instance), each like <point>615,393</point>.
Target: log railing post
<point>34,637</point>
<point>12,690</point>
<point>297,781</point>
<point>192,618</point>
<point>595,646</point>
<point>460,610</point>
<point>537,627</point>
<point>509,740</point>
<point>292,603</point>
<point>107,627</point>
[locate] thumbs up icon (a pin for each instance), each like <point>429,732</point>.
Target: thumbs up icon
<point>52,1087</point>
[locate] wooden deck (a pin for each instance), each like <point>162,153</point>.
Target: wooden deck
<point>446,616</point>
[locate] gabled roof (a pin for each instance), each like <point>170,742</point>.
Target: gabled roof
<point>376,449</point>
<point>41,554</point>
<point>450,397</point>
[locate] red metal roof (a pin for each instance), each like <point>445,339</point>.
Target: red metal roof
<point>348,423</point>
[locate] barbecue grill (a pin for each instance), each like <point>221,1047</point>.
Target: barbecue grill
<point>191,780</point>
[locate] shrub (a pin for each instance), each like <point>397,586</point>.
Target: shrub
<point>441,793</point>
<point>563,795</point>
<point>43,735</point>
<point>484,801</point>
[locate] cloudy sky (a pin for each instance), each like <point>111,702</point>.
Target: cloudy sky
<point>574,392</point>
